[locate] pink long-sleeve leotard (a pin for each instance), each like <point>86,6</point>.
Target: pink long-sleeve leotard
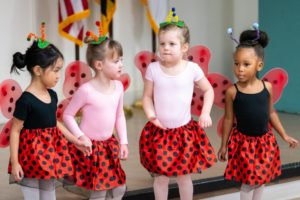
<point>101,113</point>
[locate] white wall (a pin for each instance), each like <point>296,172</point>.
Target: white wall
<point>207,20</point>
<point>132,29</point>
<point>15,28</point>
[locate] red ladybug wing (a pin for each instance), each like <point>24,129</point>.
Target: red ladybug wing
<point>200,55</point>
<point>143,59</point>
<point>220,84</point>
<point>76,74</point>
<point>5,133</point>
<point>10,93</point>
<point>197,102</point>
<point>278,77</point>
<point>125,79</point>
<point>61,108</point>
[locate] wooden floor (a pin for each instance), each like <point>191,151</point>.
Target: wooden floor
<point>138,177</point>
<point>282,191</point>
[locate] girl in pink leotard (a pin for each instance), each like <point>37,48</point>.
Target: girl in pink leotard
<point>101,103</point>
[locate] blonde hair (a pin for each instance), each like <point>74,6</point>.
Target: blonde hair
<point>185,33</point>
<point>107,48</point>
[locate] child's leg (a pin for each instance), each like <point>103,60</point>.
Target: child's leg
<point>30,193</point>
<point>47,189</point>
<point>160,186</point>
<point>258,191</point>
<point>116,193</point>
<point>31,190</point>
<point>246,192</point>
<point>98,195</point>
<point>185,185</point>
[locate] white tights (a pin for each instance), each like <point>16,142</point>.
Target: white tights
<point>35,189</point>
<point>113,194</point>
<point>249,192</point>
<point>185,186</point>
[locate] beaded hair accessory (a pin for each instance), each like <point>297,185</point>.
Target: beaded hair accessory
<point>172,18</point>
<point>255,27</point>
<point>97,39</point>
<point>42,42</point>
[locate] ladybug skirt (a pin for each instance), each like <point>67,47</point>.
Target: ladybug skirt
<point>43,154</point>
<point>252,160</point>
<point>177,151</point>
<point>99,171</point>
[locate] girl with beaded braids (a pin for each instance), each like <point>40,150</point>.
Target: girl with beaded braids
<point>172,143</point>
<point>38,142</point>
<point>101,102</point>
<point>253,153</point>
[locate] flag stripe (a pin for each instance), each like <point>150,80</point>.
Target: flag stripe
<point>59,12</point>
<point>63,10</point>
<point>80,35</point>
<point>85,5</point>
<point>77,6</point>
<point>69,7</point>
<point>68,28</point>
<point>71,13</point>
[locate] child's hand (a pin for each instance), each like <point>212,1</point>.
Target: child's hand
<point>157,123</point>
<point>124,151</point>
<point>222,154</point>
<point>205,121</point>
<point>292,142</point>
<point>84,145</point>
<point>85,150</point>
<point>84,141</point>
<point>17,172</point>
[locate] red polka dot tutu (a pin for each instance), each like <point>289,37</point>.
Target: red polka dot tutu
<point>253,160</point>
<point>102,169</point>
<point>44,154</point>
<point>177,151</point>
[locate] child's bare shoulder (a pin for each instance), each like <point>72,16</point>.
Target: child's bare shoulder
<point>268,85</point>
<point>231,92</point>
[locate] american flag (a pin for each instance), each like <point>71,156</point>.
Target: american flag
<point>71,13</point>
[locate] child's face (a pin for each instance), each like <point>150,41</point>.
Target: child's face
<point>112,66</point>
<point>246,64</point>
<point>51,75</point>
<point>171,49</point>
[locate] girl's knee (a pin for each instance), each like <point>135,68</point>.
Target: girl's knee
<point>98,195</point>
<point>184,179</point>
<point>162,179</point>
<point>116,193</point>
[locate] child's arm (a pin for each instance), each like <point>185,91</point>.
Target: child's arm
<point>78,101</point>
<point>70,137</point>
<point>227,123</point>
<point>121,128</point>
<point>204,85</point>
<point>148,104</point>
<point>84,146</point>
<point>148,99</point>
<point>275,121</point>
<point>17,171</point>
